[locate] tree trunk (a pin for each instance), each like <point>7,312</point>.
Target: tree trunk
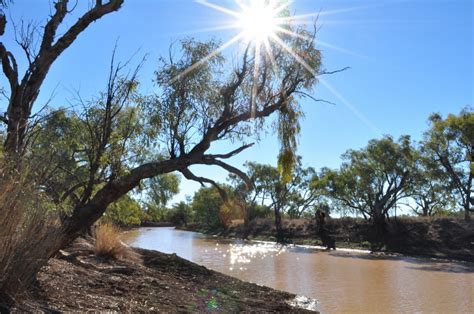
<point>280,236</point>
<point>426,211</point>
<point>320,221</point>
<point>467,214</point>
<point>246,221</point>
<point>379,230</point>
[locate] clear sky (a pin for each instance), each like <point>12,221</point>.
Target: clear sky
<point>407,58</point>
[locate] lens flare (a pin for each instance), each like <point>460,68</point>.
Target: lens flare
<point>258,21</point>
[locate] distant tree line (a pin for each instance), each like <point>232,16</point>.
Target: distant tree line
<point>432,177</point>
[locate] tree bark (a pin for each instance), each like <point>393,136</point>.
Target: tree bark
<point>379,229</point>
<point>280,236</point>
<point>467,212</point>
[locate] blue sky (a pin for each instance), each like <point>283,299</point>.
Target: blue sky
<point>407,58</point>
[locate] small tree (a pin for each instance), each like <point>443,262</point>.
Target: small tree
<point>293,197</point>
<point>159,191</point>
<point>126,211</point>
<point>269,186</point>
<point>430,191</point>
<point>372,180</point>
<point>180,214</point>
<point>450,143</point>
<point>304,197</point>
<point>206,205</point>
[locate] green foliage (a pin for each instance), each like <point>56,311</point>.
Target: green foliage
<point>180,214</point>
<point>430,191</point>
<point>161,189</point>
<point>206,205</point>
<point>258,211</point>
<point>288,131</point>
<point>271,192</point>
<point>450,143</point>
<point>371,180</point>
<point>77,152</point>
<point>126,212</point>
<point>288,124</point>
<point>158,192</point>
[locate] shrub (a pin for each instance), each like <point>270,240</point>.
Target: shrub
<point>109,246</point>
<point>230,210</point>
<point>206,205</point>
<point>125,212</point>
<point>28,227</point>
<point>179,214</point>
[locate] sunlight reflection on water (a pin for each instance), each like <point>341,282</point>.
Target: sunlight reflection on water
<point>344,280</point>
<point>245,253</point>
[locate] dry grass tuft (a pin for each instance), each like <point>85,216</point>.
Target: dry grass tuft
<point>28,229</point>
<point>109,246</point>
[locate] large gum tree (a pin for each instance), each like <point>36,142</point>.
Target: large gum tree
<point>87,158</point>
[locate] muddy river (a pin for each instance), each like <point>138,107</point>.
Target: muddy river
<point>343,280</point>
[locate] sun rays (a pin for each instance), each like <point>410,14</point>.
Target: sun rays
<point>261,24</point>
<point>259,21</point>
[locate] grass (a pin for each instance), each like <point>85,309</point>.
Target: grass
<point>109,246</point>
<point>28,230</point>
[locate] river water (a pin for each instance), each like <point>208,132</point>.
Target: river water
<point>343,280</point>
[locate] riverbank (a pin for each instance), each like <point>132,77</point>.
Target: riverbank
<point>447,238</point>
<point>77,280</point>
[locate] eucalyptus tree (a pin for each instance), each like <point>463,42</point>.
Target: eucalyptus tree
<point>158,192</point>
<point>245,198</point>
<point>206,206</point>
<point>305,196</point>
<point>271,189</point>
<point>372,180</point>
<point>450,143</point>
<point>430,191</point>
<point>123,137</point>
<point>269,185</point>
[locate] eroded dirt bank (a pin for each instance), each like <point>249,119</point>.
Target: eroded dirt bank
<point>451,238</point>
<point>78,281</point>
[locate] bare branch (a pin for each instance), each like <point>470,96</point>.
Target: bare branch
<point>315,99</point>
<point>232,153</point>
<point>229,168</point>
<point>191,176</point>
<point>9,66</point>
<point>52,25</point>
<point>3,23</point>
<point>333,72</point>
<point>3,119</point>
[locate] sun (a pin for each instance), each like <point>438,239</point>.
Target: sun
<point>258,21</point>
<point>261,24</point>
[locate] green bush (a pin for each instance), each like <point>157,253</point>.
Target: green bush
<point>259,211</point>
<point>125,212</point>
<point>179,214</point>
<point>206,205</point>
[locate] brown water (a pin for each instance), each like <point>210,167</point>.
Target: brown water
<point>343,281</point>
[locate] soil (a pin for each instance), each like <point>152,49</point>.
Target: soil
<point>418,236</point>
<point>77,280</point>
